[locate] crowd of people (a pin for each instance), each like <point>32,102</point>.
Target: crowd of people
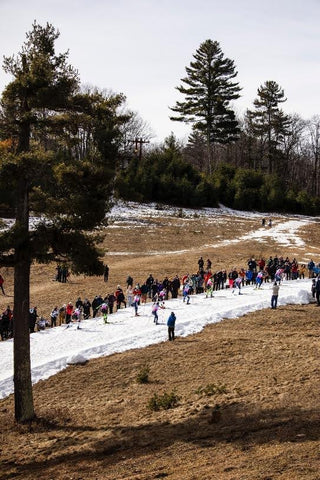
<point>205,280</point>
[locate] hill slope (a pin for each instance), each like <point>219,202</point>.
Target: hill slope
<point>247,387</point>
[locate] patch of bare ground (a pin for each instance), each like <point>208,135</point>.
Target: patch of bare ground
<point>248,388</point>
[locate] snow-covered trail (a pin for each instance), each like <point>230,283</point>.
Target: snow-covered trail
<point>51,348</point>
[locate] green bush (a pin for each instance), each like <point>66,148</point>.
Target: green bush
<point>165,401</point>
<point>211,389</point>
<point>143,375</point>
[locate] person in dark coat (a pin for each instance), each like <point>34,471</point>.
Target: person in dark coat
<point>33,315</point>
<point>111,300</point>
<point>171,322</point>
<point>106,273</point>
<point>86,308</point>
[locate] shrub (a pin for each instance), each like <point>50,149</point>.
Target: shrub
<point>143,375</point>
<point>211,389</point>
<point>165,401</point>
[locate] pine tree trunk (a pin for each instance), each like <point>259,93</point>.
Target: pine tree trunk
<point>24,410</point>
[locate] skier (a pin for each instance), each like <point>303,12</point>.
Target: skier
<point>237,284</point>
<point>186,291</point>
<point>104,311</point>
<point>155,308</point>
<point>135,304</point>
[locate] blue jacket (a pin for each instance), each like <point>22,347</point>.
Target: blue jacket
<point>171,320</point>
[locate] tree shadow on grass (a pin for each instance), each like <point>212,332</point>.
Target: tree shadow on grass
<point>233,424</point>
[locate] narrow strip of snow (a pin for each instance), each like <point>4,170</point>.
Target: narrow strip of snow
<point>51,348</point>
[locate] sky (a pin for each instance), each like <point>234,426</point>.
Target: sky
<point>54,348</point>
<point>141,47</point>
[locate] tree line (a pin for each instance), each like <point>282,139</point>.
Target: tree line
<point>266,160</point>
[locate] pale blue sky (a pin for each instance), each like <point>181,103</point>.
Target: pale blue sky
<point>141,48</point>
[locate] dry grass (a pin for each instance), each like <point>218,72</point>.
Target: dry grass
<point>248,387</point>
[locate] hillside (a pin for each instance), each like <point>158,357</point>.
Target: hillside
<point>246,387</point>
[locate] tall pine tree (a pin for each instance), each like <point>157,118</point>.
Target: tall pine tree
<point>209,87</point>
<point>42,112</point>
<point>268,123</point>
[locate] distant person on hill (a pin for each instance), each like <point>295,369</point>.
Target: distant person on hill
<point>129,281</point>
<point>270,222</point>
<point>106,274</point>
<point>275,294</point>
<point>171,323</point>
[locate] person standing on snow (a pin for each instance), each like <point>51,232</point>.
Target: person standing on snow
<point>155,308</point>
<point>317,288</point>
<point>275,294</point>
<point>171,322</point>
<point>186,292</point>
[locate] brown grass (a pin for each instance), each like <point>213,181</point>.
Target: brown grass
<point>248,388</point>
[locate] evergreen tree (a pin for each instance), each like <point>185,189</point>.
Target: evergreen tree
<point>42,112</point>
<point>209,87</point>
<point>268,122</point>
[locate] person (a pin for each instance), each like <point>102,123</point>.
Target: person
<point>96,302</point>
<point>53,316</point>
<point>106,273</point>
<point>130,295</point>
<point>318,290</point>
<point>120,297</point>
<point>86,308</point>
<point>62,315</point>
<point>69,312</point>
<point>111,301</point>
<point>237,284</point>
<point>1,284</point>
<point>42,324</point>
<point>77,316</point>
<point>129,281</point>
<point>6,320</point>
<point>79,303</point>
<point>270,222</point>
<point>263,222</point>
<point>155,309</point>
<point>104,311</point>
<point>135,303</point>
<point>313,288</point>
<point>311,266</point>
<point>171,322</point>
<point>33,315</point>
<point>186,296</point>
<point>275,293</point>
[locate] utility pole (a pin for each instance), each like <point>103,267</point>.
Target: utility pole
<point>138,142</point>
